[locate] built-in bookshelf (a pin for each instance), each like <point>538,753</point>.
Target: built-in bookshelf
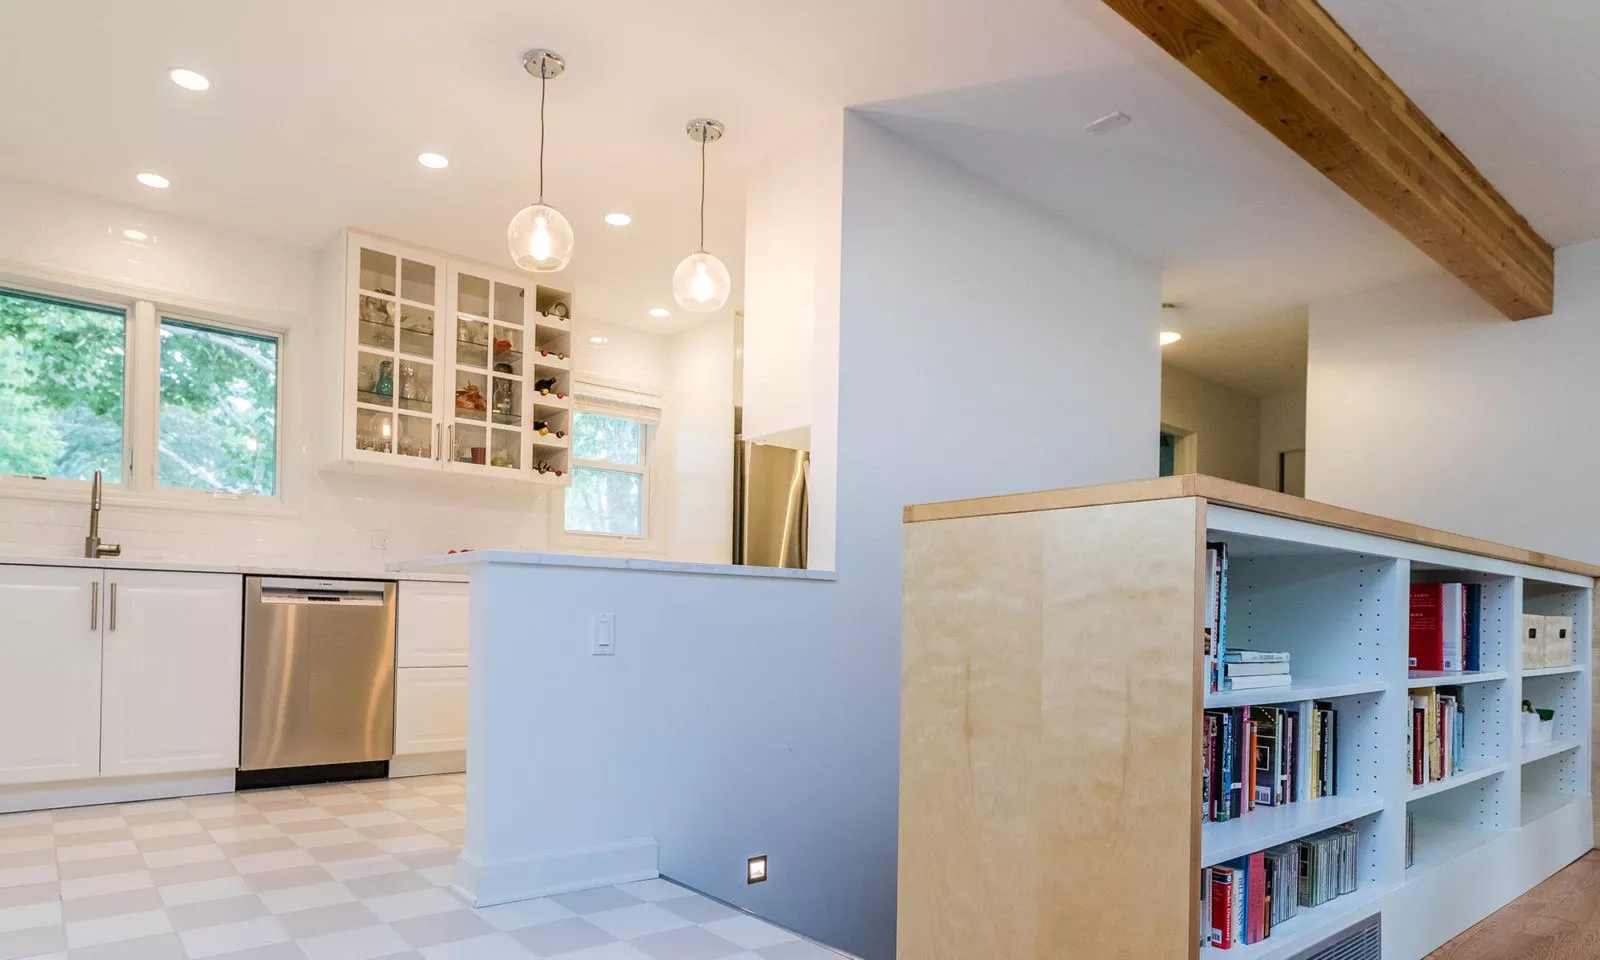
<point>1001,594</point>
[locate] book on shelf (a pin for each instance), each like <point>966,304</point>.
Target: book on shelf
<point>1248,758</point>
<point>1253,668</point>
<point>1436,746</point>
<point>1445,626</point>
<point>1215,626</point>
<point>1324,745</point>
<point>1271,682</point>
<point>1243,900</point>
<point>1255,656</point>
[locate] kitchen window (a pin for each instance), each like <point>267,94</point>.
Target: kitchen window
<point>164,405</point>
<point>62,367</point>
<point>607,495</point>
<point>219,409</point>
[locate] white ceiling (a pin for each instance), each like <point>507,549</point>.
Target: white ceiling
<point>1245,231</point>
<point>319,109</point>
<point>1515,85</point>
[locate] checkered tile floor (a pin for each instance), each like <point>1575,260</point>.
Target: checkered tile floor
<point>340,872</point>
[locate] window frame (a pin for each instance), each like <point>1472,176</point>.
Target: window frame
<point>143,311</point>
<point>642,469</point>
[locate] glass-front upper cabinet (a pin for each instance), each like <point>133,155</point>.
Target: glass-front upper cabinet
<point>454,366</point>
<point>487,425</point>
<point>393,384</point>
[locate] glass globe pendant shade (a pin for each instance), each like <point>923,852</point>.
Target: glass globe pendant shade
<point>540,239</point>
<point>701,283</point>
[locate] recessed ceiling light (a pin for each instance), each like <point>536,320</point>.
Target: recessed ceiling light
<point>433,161</point>
<point>188,79</point>
<point>154,180</point>
<point>134,234</point>
<point>1108,123</point>
<point>618,219</point>
<point>599,340</point>
<point>660,312</point>
<point>1170,336</point>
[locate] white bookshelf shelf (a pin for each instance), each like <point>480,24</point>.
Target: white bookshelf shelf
<point>1269,826</point>
<point>1540,751</point>
<point>1552,671</point>
<point>1537,806</point>
<point>1294,693</point>
<point>1459,780</point>
<point>1307,926</point>
<point>1452,678</point>
<point>1439,842</point>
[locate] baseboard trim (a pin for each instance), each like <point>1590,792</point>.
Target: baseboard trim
<point>428,764</point>
<point>488,884</point>
<point>88,793</point>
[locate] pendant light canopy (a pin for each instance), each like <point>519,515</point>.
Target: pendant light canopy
<point>701,283</point>
<point>539,236</point>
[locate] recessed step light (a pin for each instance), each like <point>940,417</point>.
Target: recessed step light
<point>189,79</point>
<point>618,219</point>
<point>433,161</point>
<point>154,180</point>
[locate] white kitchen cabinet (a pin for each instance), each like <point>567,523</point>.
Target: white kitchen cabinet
<point>443,362</point>
<point>430,710</point>
<point>49,673</point>
<point>431,624</point>
<point>171,647</point>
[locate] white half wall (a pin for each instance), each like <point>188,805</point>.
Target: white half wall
<point>1425,405</point>
<point>762,717</point>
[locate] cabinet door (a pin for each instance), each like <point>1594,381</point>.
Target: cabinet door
<point>486,423</point>
<point>430,705</point>
<point>49,673</point>
<point>431,624</point>
<point>172,647</point>
<point>394,353</point>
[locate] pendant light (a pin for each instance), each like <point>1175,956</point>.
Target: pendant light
<point>701,283</point>
<point>539,236</point>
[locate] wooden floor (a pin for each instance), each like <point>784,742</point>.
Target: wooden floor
<point>1557,920</point>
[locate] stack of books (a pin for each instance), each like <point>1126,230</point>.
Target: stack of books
<point>1324,778</point>
<point>1436,743</point>
<point>1445,623</point>
<point>1255,670</point>
<point>1242,900</point>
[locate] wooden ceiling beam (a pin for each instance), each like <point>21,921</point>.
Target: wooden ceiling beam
<point>1290,67</point>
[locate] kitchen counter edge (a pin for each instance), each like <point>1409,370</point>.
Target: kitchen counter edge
<point>169,566</point>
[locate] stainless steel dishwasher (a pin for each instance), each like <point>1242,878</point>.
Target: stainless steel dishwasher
<point>318,695</point>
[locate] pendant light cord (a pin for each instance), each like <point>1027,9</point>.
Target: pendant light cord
<point>702,191</point>
<point>543,82</point>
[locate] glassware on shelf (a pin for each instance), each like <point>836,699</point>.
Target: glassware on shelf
<point>384,385</point>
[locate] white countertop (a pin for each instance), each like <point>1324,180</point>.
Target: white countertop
<point>133,563</point>
<point>474,558</point>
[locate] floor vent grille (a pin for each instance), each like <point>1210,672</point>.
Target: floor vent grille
<point>1364,941</point>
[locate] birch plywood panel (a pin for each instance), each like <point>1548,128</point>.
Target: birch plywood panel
<point>1049,699</point>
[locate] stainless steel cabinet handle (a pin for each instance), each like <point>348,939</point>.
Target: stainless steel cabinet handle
<point>438,441</point>
<point>111,617</point>
<point>94,605</point>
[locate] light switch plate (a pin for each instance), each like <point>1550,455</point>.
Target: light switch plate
<point>605,634</point>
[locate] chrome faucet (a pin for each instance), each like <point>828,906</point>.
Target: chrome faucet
<point>92,547</point>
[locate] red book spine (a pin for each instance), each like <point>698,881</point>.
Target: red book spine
<point>1221,908</point>
<point>1258,897</point>
<point>1419,750</point>
<point>1427,626</point>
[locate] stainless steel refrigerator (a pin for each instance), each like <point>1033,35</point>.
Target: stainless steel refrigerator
<point>771,493</point>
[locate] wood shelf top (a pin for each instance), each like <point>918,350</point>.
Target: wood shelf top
<point>1244,497</point>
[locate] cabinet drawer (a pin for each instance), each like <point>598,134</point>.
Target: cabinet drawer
<point>431,624</point>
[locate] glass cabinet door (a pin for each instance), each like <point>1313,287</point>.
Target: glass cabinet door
<point>486,420</point>
<point>394,381</point>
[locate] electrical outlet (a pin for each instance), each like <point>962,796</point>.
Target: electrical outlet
<point>605,634</point>
<point>379,541</point>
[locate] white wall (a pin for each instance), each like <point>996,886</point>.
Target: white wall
<point>1425,404</point>
<point>327,519</point>
<point>1225,423</point>
<point>1283,428</point>
<point>696,440</point>
<point>778,702</point>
